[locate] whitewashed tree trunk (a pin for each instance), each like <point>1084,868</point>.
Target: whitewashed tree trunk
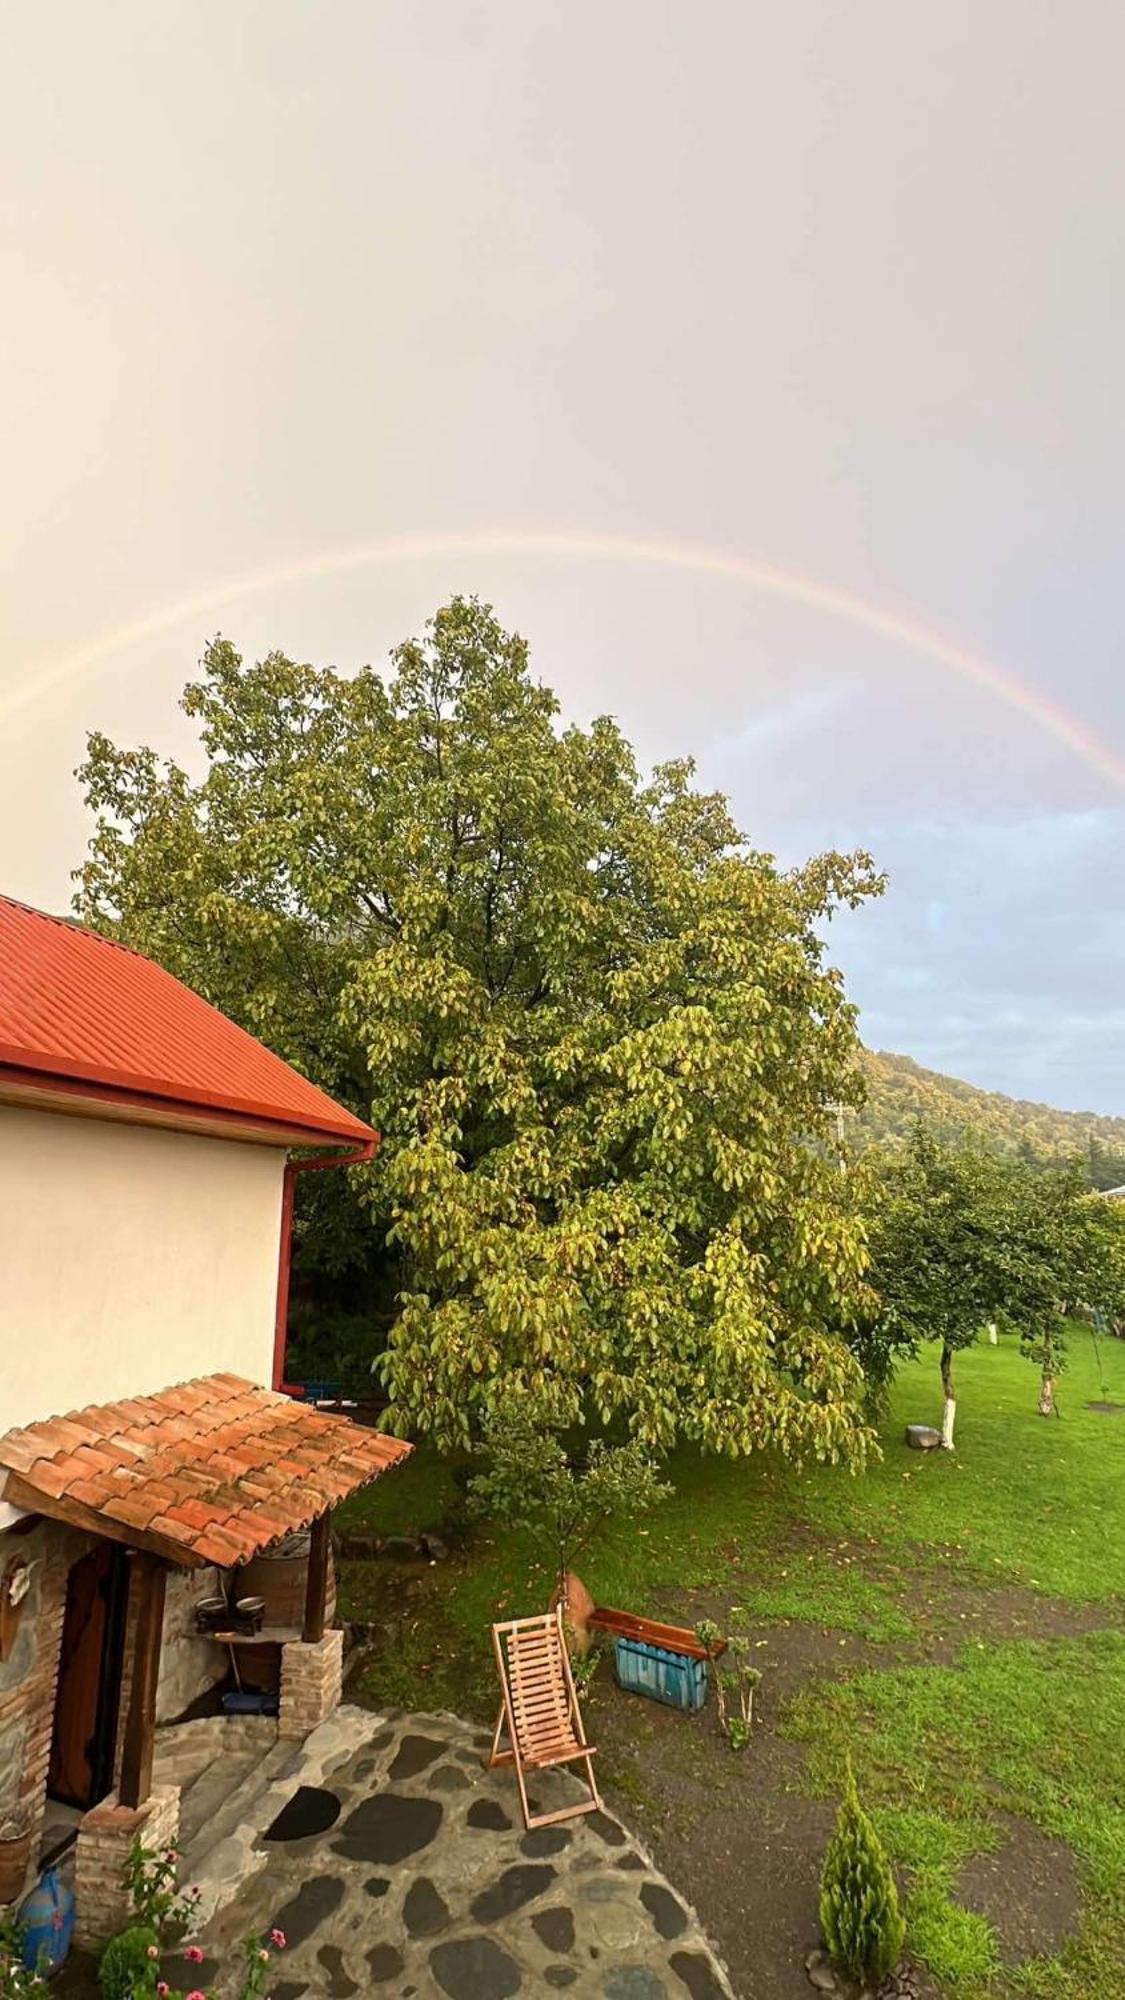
<point>993,1336</point>
<point>1047,1397</point>
<point>949,1411</point>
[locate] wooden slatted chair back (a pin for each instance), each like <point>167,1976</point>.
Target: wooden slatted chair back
<point>539,1709</point>
<point>537,1684</point>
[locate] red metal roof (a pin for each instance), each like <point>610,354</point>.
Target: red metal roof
<point>209,1472</point>
<point>85,1010</point>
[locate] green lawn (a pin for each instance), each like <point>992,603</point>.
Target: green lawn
<point>942,1751</point>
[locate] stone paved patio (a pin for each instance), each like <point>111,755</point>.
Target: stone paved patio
<point>396,1864</point>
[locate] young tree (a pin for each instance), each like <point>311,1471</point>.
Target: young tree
<point>530,1479</point>
<point>597,1032</point>
<point>939,1261</point>
<point>859,1909</point>
<point>1067,1248</point>
<point>963,1238</point>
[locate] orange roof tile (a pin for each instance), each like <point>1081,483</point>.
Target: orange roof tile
<point>81,1008</point>
<point>216,1485</point>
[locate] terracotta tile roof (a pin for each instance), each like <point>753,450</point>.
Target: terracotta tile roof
<point>211,1471</point>
<point>80,1007</point>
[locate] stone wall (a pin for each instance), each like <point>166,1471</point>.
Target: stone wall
<point>185,1749</point>
<point>189,1665</point>
<point>29,1675</point>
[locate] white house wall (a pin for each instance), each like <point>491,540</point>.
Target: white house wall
<point>130,1259</point>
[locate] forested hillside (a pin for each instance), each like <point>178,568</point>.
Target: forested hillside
<point>901,1091</point>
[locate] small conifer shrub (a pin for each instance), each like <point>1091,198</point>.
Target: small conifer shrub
<point>859,1913</point>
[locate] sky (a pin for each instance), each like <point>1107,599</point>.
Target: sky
<point>760,364</point>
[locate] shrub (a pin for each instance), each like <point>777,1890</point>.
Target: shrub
<point>125,1967</point>
<point>530,1479</point>
<point>859,1913</point>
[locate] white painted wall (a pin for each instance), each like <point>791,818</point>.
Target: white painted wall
<point>130,1258</point>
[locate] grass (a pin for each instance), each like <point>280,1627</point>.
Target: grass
<point>942,1752</point>
<point>1024,1500</point>
<point>1025,1729</point>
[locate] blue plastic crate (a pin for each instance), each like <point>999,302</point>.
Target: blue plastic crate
<point>672,1678</point>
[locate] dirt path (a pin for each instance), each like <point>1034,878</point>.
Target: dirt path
<point>737,1833</point>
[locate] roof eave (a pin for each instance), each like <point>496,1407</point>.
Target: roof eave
<point>49,1090</point>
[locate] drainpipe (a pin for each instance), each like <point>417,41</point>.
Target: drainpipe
<point>356,1157</point>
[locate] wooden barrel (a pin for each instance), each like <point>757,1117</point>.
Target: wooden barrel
<point>279,1575</point>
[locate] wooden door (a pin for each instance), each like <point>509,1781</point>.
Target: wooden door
<point>89,1686</point>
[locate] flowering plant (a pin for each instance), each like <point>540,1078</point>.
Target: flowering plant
<point>150,1877</point>
<point>161,1915</point>
<point>257,1958</point>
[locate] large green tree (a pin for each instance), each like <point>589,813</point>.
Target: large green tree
<point>598,1033</point>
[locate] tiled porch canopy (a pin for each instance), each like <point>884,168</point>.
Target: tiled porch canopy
<point>212,1471</point>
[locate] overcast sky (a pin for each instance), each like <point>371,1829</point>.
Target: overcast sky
<point>836,286</point>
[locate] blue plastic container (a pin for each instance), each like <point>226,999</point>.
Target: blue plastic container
<point>48,1914</point>
<point>672,1678</point>
<point>251,1701</point>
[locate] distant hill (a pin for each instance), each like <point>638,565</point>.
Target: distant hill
<point>900,1092</point>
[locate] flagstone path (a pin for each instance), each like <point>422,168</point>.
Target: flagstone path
<point>405,1869</point>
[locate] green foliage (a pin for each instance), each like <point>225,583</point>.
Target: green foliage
<point>597,1032</point>
<point>1018,1729</point>
<point>530,1480</point>
<point>735,1678</point>
<point>901,1094</point>
<point>125,1967</point>
<point>1027,1503</point>
<point>859,1913</point>
<point>961,1237</point>
<point>943,1754</point>
<point>149,1875</point>
<point>15,1979</point>
<point>584,1667</point>
<point>940,1258</point>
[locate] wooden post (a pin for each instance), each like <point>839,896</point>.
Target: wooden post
<point>147,1577</point>
<point>316,1585</point>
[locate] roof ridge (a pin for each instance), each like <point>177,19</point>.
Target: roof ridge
<point>87,930</point>
<point>73,1011</point>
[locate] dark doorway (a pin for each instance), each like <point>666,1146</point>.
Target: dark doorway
<point>81,1768</point>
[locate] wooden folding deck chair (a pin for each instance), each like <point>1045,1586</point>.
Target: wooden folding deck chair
<point>539,1709</point>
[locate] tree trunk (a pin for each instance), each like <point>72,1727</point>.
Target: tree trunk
<point>1047,1397</point>
<point>949,1413</point>
<point>993,1336</point>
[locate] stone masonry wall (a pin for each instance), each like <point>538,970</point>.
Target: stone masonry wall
<point>188,1664</point>
<point>28,1677</point>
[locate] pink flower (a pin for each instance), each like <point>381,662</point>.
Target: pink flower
<point>163,1988</point>
<point>195,1994</point>
<point>264,1956</point>
<point>278,1938</point>
<point>153,1951</point>
<point>194,1955</point>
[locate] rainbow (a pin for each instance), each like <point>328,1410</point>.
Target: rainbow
<point>899,628</point>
